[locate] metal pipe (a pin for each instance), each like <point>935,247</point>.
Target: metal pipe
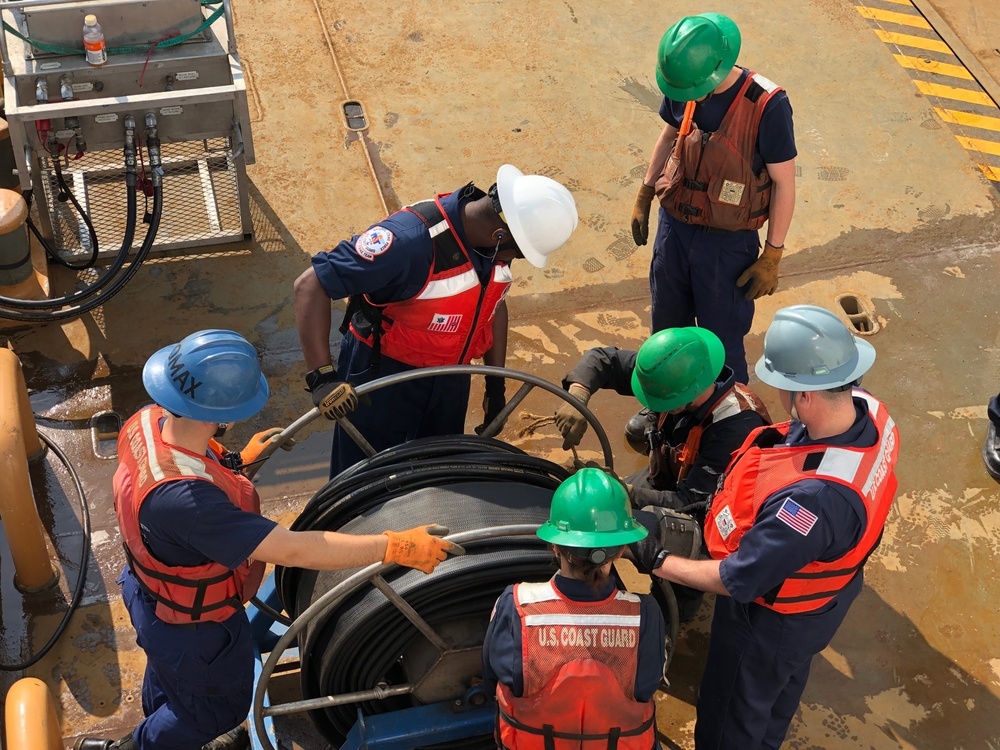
<point>429,372</point>
<point>410,613</point>
<point>30,716</point>
<point>377,694</point>
<point>18,440</point>
<point>157,99</point>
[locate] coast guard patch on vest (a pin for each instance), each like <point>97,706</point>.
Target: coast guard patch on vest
<point>725,522</point>
<point>373,242</point>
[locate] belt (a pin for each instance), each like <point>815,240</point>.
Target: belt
<point>712,230</point>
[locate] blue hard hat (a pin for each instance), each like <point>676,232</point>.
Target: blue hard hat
<point>210,376</point>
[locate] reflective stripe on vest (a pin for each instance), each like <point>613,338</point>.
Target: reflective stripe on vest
<point>450,321</point>
<point>709,180</point>
<point>761,468</point>
<point>579,662</point>
<point>208,592</point>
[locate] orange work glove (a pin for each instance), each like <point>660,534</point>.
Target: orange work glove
<point>420,547</point>
<point>258,442</point>
<point>763,273</point>
<point>640,214</point>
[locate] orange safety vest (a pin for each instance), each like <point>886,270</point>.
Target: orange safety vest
<point>208,592</point>
<point>677,460</point>
<point>760,468</point>
<point>579,662</point>
<point>450,321</point>
<point>708,178</point>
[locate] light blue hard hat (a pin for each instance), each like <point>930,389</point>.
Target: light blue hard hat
<point>808,348</point>
<point>210,376</point>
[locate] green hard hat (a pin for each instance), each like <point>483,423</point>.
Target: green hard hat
<point>591,509</point>
<point>695,55</point>
<point>674,366</point>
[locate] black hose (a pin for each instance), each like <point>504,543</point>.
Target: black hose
<point>466,482</point>
<point>64,193</point>
<point>84,561</point>
<point>99,298</point>
<point>100,282</point>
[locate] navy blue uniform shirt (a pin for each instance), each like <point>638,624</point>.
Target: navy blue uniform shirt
<point>772,549</point>
<point>191,522</point>
<point>502,646</point>
<point>775,139</point>
<point>398,270</point>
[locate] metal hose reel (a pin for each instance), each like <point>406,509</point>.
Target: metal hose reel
<point>386,638</point>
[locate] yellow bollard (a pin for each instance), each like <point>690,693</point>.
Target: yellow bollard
<point>30,716</point>
<point>18,440</point>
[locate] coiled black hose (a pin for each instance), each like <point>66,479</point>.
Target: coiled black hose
<point>81,581</point>
<point>465,482</point>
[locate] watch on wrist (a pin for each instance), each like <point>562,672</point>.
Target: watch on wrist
<point>317,376</point>
<point>660,558</point>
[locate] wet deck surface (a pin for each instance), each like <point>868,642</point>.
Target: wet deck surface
<point>893,208</point>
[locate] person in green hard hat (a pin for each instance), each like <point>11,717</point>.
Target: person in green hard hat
<point>719,178</point>
<point>703,415</point>
<point>574,655</point>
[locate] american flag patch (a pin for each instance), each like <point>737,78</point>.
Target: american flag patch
<point>444,323</point>
<point>796,516</point>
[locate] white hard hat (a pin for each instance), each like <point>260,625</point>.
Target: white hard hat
<point>540,212</point>
<point>808,348</point>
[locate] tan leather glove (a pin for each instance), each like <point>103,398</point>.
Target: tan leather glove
<point>640,214</point>
<point>255,446</point>
<point>420,547</point>
<point>571,423</point>
<point>763,274</point>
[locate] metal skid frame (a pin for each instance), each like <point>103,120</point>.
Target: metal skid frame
<point>240,152</point>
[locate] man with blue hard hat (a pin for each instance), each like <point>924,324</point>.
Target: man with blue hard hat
<point>800,508</point>
<point>575,662</point>
<point>427,287</point>
<point>196,544</point>
<point>723,165</point>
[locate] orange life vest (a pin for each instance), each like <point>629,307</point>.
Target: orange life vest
<point>579,663</point>
<point>760,468</point>
<point>708,179</point>
<point>208,592</point>
<point>677,460</point>
<point>450,321</point>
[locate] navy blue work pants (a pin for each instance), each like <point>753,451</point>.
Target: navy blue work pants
<point>692,279</point>
<point>199,679</point>
<point>418,408</point>
<point>757,667</point>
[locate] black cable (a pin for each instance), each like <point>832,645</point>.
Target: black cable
<point>84,561</point>
<point>99,299</point>
<point>270,611</point>
<point>100,282</point>
<point>64,194</point>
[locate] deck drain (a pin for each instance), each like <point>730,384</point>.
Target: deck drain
<point>104,429</point>
<point>354,114</point>
<point>860,312</point>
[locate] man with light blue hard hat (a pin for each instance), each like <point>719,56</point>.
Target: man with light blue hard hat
<point>196,544</point>
<point>800,509</point>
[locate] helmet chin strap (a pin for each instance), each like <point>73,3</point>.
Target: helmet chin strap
<point>792,411</point>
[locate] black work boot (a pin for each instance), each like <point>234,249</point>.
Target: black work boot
<point>234,739</point>
<point>637,427</point>
<point>991,452</point>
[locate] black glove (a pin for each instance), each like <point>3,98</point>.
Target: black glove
<point>648,554</point>
<point>494,400</point>
<point>644,496</point>
<point>333,397</point>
